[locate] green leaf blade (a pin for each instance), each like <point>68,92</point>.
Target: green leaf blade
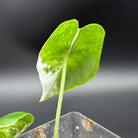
<point>84,58</point>
<point>83,51</point>
<point>15,123</point>
<point>52,54</point>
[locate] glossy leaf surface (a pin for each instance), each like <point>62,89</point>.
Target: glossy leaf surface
<point>80,46</point>
<point>15,123</point>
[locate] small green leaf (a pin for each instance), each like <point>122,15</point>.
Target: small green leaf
<point>82,49</point>
<point>15,123</point>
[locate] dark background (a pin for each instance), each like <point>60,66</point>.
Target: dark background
<point>110,99</point>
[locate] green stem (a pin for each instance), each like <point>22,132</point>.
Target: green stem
<point>60,99</point>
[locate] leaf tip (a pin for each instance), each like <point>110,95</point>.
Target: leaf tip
<point>100,28</point>
<point>41,100</point>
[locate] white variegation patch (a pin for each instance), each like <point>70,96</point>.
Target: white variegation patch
<point>47,79</point>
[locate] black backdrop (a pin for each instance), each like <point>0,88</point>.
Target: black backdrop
<point>111,98</point>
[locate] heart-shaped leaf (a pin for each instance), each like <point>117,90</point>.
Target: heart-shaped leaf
<point>79,47</point>
<point>15,123</point>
